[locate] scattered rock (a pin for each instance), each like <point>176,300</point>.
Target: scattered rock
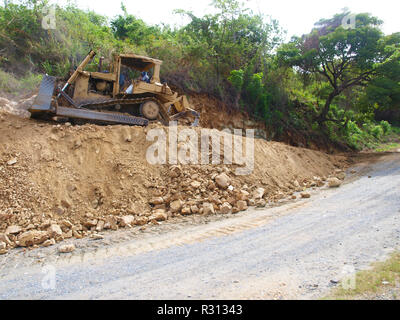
<point>32,237</point>
<point>12,161</point>
<point>305,195</point>
<point>225,208</point>
<point>258,193</point>
<point>49,242</point>
<point>127,221</point>
<point>261,203</point>
<point>13,229</point>
<point>5,239</point>
<point>222,180</point>
<point>208,208</point>
<point>159,215</point>
<point>186,211</point>
<point>334,182</point>
<point>55,230</point>
<point>66,248</point>
<point>241,205</point>
<point>176,205</point>
<point>341,175</point>
<point>156,201</point>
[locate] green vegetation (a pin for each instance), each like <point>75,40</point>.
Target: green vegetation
<point>382,276</point>
<point>334,85</point>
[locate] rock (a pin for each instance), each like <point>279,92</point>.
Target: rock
<point>186,211</point>
<point>66,248</point>
<point>55,230</point>
<point>251,202</point>
<point>100,225</point>
<point>5,239</point>
<point>32,237</point>
<point>225,208</point>
<point>334,182</point>
<point>261,203</point>
<point>110,222</point>
<point>341,175</point>
<point>258,193</point>
<point>49,242</point>
<point>156,201</point>
<point>241,205</point>
<point>12,161</point>
<point>159,215</point>
<point>13,229</point>
<point>293,197</point>
<point>194,209</point>
<point>68,234</point>
<point>222,181</point>
<point>242,195</point>
<point>208,208</point>
<point>140,221</point>
<point>195,184</point>
<point>90,223</point>
<point>305,195</point>
<point>353,171</point>
<point>96,236</point>
<point>176,205</point>
<point>296,184</point>
<point>175,171</point>
<point>3,245</point>
<point>3,251</point>
<point>127,221</point>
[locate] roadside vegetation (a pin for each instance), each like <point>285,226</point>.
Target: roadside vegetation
<point>382,281</point>
<point>334,85</point>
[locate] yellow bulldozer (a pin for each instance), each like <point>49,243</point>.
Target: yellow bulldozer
<point>114,96</point>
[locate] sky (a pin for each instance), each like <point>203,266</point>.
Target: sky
<point>297,17</point>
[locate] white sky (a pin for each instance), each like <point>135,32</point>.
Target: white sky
<point>297,17</point>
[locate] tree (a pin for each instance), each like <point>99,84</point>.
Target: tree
<point>344,57</point>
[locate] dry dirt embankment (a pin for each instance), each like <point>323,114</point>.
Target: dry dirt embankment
<point>59,181</point>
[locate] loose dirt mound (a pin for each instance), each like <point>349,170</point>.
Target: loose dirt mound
<point>62,181</point>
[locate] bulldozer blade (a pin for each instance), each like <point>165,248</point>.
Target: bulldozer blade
<point>43,100</point>
<point>186,113</point>
<point>101,116</point>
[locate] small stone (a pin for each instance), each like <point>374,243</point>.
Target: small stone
<point>208,208</point>
<point>258,193</point>
<point>186,211</point>
<point>334,182</point>
<point>55,230</point>
<point>49,243</point>
<point>156,201</point>
<point>222,180</point>
<point>12,161</point>
<point>159,215</point>
<point>96,236</point>
<point>5,239</point>
<point>305,195</point>
<point>195,184</point>
<point>13,229</point>
<point>127,221</point>
<point>176,205</point>
<point>66,248</point>
<point>225,208</point>
<point>3,245</point>
<point>241,205</point>
<point>261,203</point>
<point>341,176</point>
<point>32,237</point>
<point>194,209</point>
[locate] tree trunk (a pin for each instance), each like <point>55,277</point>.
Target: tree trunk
<point>322,117</point>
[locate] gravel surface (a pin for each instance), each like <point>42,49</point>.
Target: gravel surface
<point>298,250</point>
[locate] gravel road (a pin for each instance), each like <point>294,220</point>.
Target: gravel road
<point>298,250</point>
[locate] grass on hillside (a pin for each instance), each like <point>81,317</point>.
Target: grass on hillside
<point>369,283</point>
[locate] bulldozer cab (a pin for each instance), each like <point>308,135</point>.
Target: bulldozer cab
<point>128,72</point>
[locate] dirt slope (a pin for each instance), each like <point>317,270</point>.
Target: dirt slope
<point>73,181</point>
